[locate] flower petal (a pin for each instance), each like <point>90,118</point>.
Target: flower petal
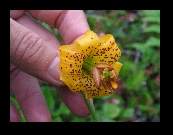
<point>89,43</point>
<point>84,82</point>
<point>108,51</point>
<point>74,83</point>
<point>117,66</point>
<point>78,59</point>
<point>71,59</point>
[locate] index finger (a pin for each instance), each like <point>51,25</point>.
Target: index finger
<point>70,23</point>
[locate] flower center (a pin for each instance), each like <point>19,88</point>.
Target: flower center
<point>102,73</point>
<point>106,75</point>
<point>88,65</point>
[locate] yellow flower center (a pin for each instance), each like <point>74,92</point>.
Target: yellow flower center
<point>87,65</point>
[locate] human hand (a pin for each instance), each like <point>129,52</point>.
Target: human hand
<point>33,54</point>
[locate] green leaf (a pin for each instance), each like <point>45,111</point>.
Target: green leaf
<point>153,42</point>
<point>89,16</point>
<point>148,55</point>
<point>111,110</point>
<point>14,101</point>
<point>101,117</point>
<point>57,119</point>
<point>127,68</point>
<point>49,98</point>
<point>22,116</point>
<point>106,119</point>
<point>132,101</point>
<point>77,119</point>
<point>144,107</point>
<point>152,28</point>
<point>151,12</point>
<point>121,12</point>
<point>57,34</point>
<point>16,104</point>
<point>48,27</point>
<point>151,16</point>
<point>63,109</point>
<point>135,80</point>
<point>118,33</point>
<point>151,110</point>
<point>129,112</point>
<point>151,19</point>
<point>138,46</point>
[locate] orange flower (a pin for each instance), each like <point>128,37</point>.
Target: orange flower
<point>91,65</point>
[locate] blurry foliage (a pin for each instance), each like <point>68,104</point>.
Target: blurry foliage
<point>137,33</point>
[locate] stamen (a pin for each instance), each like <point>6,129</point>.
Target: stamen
<point>107,86</point>
<point>106,75</point>
<point>97,77</point>
<point>104,65</point>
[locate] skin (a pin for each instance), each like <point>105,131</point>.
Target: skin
<point>33,54</point>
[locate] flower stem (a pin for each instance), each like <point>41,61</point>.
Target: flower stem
<point>90,107</point>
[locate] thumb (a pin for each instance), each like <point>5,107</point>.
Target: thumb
<point>33,55</point>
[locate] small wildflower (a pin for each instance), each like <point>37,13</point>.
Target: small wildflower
<point>91,65</point>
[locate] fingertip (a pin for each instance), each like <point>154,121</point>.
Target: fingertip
<point>73,25</point>
<point>16,13</point>
<point>74,101</point>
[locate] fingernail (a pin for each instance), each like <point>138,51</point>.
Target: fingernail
<point>53,69</point>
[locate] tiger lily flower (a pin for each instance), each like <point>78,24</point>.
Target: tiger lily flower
<point>91,65</point>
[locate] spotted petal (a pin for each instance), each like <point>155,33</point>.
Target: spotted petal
<point>89,43</point>
<point>77,60</point>
<point>83,82</point>
<point>108,51</point>
<point>71,59</point>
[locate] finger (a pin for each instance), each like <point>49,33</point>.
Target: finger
<point>16,13</point>
<point>71,23</point>
<point>32,54</point>
<point>78,103</point>
<point>29,22</point>
<point>74,101</point>
<point>29,96</point>
<point>84,112</point>
<point>14,113</point>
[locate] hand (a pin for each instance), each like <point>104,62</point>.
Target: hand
<point>33,54</point>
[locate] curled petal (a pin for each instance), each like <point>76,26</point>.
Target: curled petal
<point>89,43</point>
<point>117,66</point>
<point>108,50</point>
<point>115,76</point>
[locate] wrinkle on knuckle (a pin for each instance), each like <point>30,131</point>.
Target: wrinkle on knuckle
<point>34,51</point>
<point>19,44</point>
<point>29,49</point>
